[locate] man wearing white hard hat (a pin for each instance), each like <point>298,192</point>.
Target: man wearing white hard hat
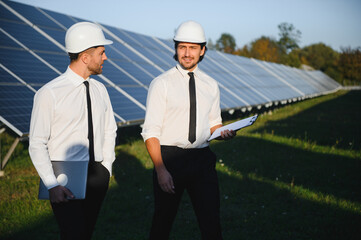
<point>72,120</point>
<point>183,110</point>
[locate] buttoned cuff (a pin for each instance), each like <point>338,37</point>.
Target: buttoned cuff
<point>50,181</point>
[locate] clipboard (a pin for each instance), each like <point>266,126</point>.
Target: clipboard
<point>70,174</point>
<point>234,126</point>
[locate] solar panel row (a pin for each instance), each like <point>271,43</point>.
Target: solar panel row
<point>32,53</point>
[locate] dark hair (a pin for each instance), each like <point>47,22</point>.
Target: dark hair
<point>73,56</point>
<point>176,43</point>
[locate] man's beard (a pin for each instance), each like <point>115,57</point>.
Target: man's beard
<point>96,71</point>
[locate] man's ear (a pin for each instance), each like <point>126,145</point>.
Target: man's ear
<point>203,50</point>
<point>84,57</point>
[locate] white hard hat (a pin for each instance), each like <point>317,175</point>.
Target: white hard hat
<point>84,35</point>
<point>190,31</point>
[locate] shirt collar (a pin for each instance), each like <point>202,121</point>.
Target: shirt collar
<point>75,78</point>
<point>185,72</point>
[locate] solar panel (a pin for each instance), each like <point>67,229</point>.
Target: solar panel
<point>32,53</point>
<point>28,36</point>
<point>32,14</point>
<point>15,102</point>
<point>28,68</point>
<point>63,21</point>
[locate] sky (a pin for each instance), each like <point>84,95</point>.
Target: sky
<point>336,23</point>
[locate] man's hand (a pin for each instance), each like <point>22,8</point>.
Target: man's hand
<point>165,180</point>
<point>227,134</point>
<point>60,194</point>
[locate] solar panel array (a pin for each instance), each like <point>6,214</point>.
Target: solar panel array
<point>32,53</point>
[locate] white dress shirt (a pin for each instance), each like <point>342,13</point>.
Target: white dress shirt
<point>167,114</point>
<point>59,125</point>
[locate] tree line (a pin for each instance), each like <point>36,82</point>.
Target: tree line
<point>343,66</point>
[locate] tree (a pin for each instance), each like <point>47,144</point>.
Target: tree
<point>350,65</point>
<point>243,52</point>
<point>266,49</point>
<point>293,58</point>
<point>289,36</point>
<point>319,56</point>
<point>226,43</point>
<point>323,58</point>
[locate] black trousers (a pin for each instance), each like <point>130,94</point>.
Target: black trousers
<point>192,170</point>
<point>77,218</point>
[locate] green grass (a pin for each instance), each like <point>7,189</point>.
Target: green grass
<point>295,174</point>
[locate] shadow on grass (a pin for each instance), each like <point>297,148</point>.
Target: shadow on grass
<point>331,123</point>
<point>257,209</point>
<point>325,173</point>
<point>128,207</point>
<point>251,208</point>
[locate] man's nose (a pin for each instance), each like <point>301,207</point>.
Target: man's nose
<point>186,53</point>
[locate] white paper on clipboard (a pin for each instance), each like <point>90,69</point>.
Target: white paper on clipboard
<point>234,126</point>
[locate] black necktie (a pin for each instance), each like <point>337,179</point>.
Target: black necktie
<point>193,109</point>
<point>90,124</point>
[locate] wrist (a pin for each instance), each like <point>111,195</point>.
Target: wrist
<point>160,168</point>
